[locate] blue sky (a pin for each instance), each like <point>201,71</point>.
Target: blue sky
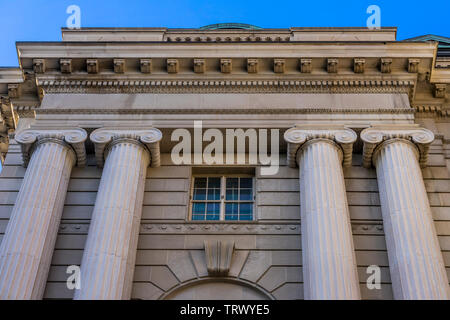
<point>41,20</point>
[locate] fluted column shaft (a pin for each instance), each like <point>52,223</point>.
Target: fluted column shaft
<point>329,264</point>
<point>108,261</point>
<point>27,247</point>
<point>415,259</point>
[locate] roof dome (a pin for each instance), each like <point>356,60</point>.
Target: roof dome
<point>231,25</point>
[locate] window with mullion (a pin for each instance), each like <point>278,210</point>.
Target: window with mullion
<point>239,199</point>
<point>206,198</point>
<point>222,198</point>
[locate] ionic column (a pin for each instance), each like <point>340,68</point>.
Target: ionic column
<point>415,258</point>
<point>109,256</point>
<point>329,263</point>
<point>27,247</point>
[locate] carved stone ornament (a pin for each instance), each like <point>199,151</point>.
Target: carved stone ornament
<point>305,65</point>
<point>385,65</point>
<point>7,114</point>
<point>25,111</point>
<point>226,65</point>
<point>39,65</point>
<point>150,137</point>
<point>92,65</point>
<point>218,255</point>
<point>252,65</point>
<point>146,65</point>
<point>332,65</point>
<point>65,65</point>
<point>14,90</point>
<point>279,65</point>
<point>297,136</point>
<point>358,65</point>
<point>199,65</point>
<point>119,65</point>
<point>374,136</point>
<point>172,65</point>
<point>75,137</point>
<point>439,90</point>
<point>413,65</point>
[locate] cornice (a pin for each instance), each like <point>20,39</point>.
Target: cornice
<point>11,75</point>
<point>311,49</point>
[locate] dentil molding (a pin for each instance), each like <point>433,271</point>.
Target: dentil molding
<point>223,85</point>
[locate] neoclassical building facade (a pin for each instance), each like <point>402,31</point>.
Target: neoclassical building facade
<point>333,181</point>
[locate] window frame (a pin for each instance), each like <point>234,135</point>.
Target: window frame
<point>223,200</point>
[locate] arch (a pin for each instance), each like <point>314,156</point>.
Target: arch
<point>217,289</point>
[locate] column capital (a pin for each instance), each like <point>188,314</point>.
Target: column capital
<point>72,137</point>
<point>376,135</point>
<point>149,137</point>
<point>298,135</point>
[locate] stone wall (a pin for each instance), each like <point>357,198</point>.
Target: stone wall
<point>267,253</point>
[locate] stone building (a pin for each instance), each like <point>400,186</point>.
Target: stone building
<point>358,120</point>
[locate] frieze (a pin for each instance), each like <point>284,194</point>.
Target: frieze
<point>272,110</point>
<point>365,227</point>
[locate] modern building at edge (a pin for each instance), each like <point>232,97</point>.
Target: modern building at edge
<point>357,206</point>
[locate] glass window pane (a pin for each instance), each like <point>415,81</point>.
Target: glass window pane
<point>200,183</point>
<point>198,211</point>
<point>232,183</point>
<point>232,194</point>
<point>246,183</point>
<point>213,188</point>
<point>214,183</point>
<point>232,189</point>
<point>246,194</point>
<point>213,211</point>
<point>213,193</point>
<point>213,208</point>
<point>198,217</point>
<point>199,194</point>
<point>231,211</point>
<point>246,211</point>
<point>198,208</point>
